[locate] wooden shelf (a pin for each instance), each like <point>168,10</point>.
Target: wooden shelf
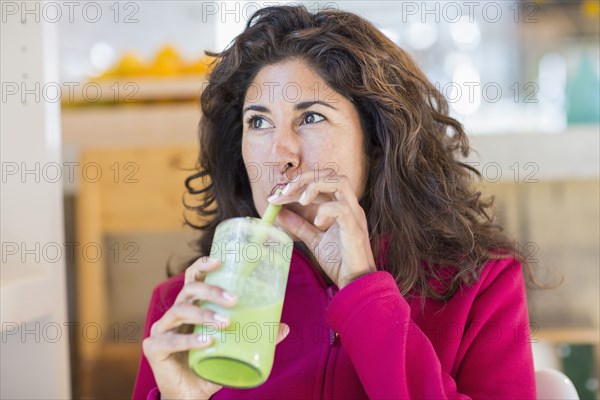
<point>131,126</point>
<point>572,154</point>
<point>132,90</point>
<point>568,335</point>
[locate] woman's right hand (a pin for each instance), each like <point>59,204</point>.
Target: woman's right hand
<point>167,349</point>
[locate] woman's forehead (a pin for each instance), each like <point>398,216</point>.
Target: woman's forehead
<point>291,81</point>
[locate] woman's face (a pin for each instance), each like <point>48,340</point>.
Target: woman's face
<point>291,116</point>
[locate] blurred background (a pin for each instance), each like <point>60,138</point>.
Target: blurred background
<point>99,117</point>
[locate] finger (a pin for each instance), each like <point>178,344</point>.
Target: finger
<point>341,191</point>
<point>300,227</point>
<point>341,213</point>
<point>323,191</point>
<point>351,237</point>
<point>292,192</point>
<point>203,291</point>
<point>283,332</point>
<point>202,264</point>
<point>164,345</point>
<point>186,313</point>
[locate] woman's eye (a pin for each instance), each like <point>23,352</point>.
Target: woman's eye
<point>256,122</point>
<point>312,118</point>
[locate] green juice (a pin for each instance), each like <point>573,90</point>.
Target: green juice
<point>242,355</point>
<point>255,258</point>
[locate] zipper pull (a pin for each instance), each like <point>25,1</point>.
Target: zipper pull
<point>331,291</point>
<point>333,337</point>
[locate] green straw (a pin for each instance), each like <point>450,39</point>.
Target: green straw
<point>272,210</point>
<point>269,216</point>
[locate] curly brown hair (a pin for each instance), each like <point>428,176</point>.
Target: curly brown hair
<point>419,197</point>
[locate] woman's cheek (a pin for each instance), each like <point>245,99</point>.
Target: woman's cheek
<point>314,151</point>
<point>253,172</point>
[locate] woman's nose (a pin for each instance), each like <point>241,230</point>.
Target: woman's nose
<point>286,148</point>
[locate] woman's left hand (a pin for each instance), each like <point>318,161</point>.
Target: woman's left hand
<point>338,237</point>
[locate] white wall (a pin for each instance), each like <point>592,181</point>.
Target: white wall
<point>34,360</point>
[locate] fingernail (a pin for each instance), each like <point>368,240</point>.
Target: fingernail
<point>286,188</point>
<point>286,330</point>
<point>204,338</point>
<point>228,296</point>
<point>271,198</point>
<point>209,259</point>
<point>302,198</point>
<point>221,318</point>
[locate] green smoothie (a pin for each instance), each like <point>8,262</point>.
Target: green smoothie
<point>255,257</point>
<point>241,355</point>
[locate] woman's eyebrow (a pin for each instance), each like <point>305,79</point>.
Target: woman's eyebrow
<point>300,106</point>
<point>256,108</point>
<point>306,104</point>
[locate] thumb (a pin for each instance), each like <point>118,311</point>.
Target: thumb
<point>292,223</point>
<point>289,221</point>
<point>284,331</point>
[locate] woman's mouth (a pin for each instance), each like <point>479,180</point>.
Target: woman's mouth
<point>278,186</point>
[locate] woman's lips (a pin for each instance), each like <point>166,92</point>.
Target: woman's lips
<point>278,186</point>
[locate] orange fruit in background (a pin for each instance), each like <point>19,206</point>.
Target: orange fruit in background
<point>128,65</point>
<point>201,66</point>
<point>591,8</point>
<point>166,63</point>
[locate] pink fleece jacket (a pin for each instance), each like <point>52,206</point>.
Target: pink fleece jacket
<point>368,341</point>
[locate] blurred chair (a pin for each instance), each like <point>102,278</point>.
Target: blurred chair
<point>553,384</point>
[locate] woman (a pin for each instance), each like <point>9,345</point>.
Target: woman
<point>400,284</point>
